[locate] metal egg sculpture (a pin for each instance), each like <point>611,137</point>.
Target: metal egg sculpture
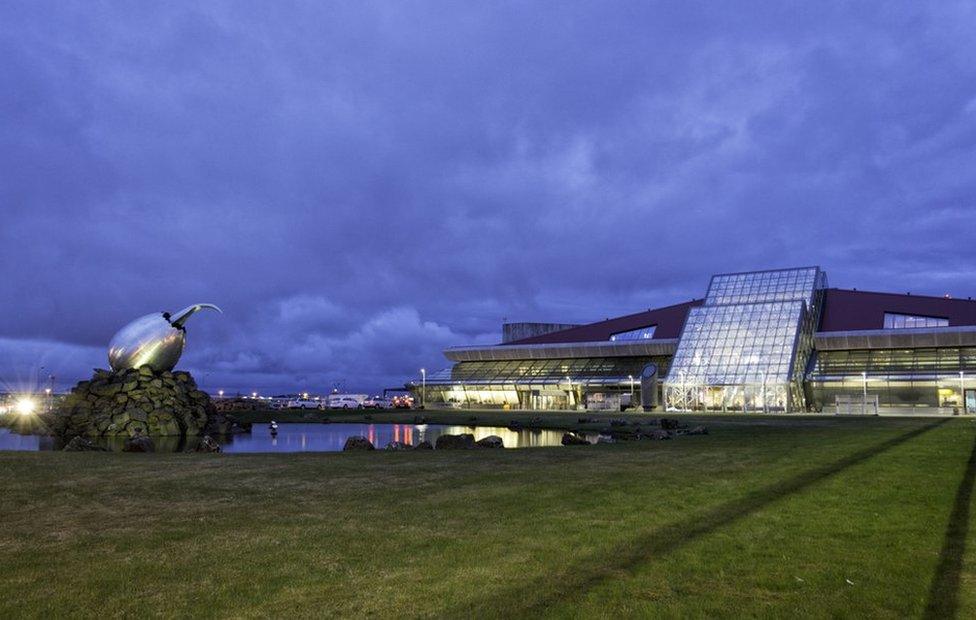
<point>154,340</point>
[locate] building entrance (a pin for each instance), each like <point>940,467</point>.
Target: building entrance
<point>970,401</point>
<point>548,400</point>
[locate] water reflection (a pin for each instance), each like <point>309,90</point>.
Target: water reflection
<point>332,437</point>
<point>314,438</point>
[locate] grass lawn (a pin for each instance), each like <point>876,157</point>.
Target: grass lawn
<point>777,517</point>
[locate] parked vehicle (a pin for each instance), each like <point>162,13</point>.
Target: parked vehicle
<point>304,403</point>
<point>377,402</point>
<point>346,401</point>
<point>402,402</point>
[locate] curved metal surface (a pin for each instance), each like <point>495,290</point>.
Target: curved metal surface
<point>178,319</point>
<point>154,340</point>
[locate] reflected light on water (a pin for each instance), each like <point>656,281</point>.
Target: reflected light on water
<point>316,438</point>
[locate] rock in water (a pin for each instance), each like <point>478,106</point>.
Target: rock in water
<point>138,400</point>
<point>139,443</point>
<point>80,444</point>
<point>207,444</point>
<point>491,441</point>
<point>569,439</point>
<point>464,441</point>
<point>358,443</point>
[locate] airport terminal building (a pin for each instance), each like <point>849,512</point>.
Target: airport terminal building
<point>766,341</point>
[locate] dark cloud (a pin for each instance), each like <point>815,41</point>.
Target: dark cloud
<point>359,185</point>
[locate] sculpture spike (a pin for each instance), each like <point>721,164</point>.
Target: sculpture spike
<point>179,318</point>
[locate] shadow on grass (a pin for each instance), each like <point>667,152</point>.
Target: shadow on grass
<point>944,592</point>
<point>575,579</point>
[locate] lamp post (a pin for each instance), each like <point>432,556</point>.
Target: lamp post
<point>220,393</point>
<point>631,377</point>
<point>864,393</point>
<point>765,407</point>
<point>962,391</point>
<point>423,389</point>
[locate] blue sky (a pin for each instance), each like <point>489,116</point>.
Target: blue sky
<point>359,185</point>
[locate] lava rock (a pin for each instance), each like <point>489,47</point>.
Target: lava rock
<point>119,404</point>
<point>571,439</point>
<point>464,441</point>
<point>424,445</point>
<point>358,443</point>
<point>80,444</point>
<point>398,445</point>
<point>139,443</point>
<point>491,441</point>
<point>208,444</point>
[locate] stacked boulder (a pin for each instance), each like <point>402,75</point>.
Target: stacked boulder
<point>138,401</point>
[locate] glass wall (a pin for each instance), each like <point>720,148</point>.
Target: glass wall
<point>535,384</point>
<point>746,347</point>
<point>644,333</point>
<point>904,321</point>
<point>900,378</point>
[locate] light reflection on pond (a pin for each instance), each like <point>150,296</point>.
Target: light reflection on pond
<point>315,438</point>
<point>331,437</point>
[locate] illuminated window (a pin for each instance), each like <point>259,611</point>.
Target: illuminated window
<point>893,320</point>
<point>644,333</point>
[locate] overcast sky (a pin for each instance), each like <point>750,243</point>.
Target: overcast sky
<point>359,185</point>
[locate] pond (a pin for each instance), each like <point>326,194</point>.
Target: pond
<point>317,437</point>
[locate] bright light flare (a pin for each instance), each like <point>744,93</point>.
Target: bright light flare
<point>25,406</point>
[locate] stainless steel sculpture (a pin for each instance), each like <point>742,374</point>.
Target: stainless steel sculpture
<point>154,340</point>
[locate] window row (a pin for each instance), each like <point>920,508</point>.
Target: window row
<point>894,320</point>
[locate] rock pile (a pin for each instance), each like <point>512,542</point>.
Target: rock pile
<point>138,401</point>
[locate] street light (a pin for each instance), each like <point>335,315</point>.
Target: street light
<point>962,390</point>
<point>25,405</point>
<point>423,389</point>
<point>220,393</point>
<point>765,407</point>
<point>864,396</point>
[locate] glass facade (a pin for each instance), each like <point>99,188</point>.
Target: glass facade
<point>905,321</point>
<point>748,346</point>
<point>644,333</point>
<point>745,348</point>
<point>535,384</point>
<point>900,378</point>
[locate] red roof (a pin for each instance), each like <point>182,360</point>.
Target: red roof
<point>668,321</point>
<point>846,310</point>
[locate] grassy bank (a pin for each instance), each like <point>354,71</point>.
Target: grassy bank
<point>770,516</point>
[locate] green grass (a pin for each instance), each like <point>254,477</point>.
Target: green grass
<point>770,517</point>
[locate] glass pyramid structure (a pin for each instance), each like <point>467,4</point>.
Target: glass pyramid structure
<point>746,348</point>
